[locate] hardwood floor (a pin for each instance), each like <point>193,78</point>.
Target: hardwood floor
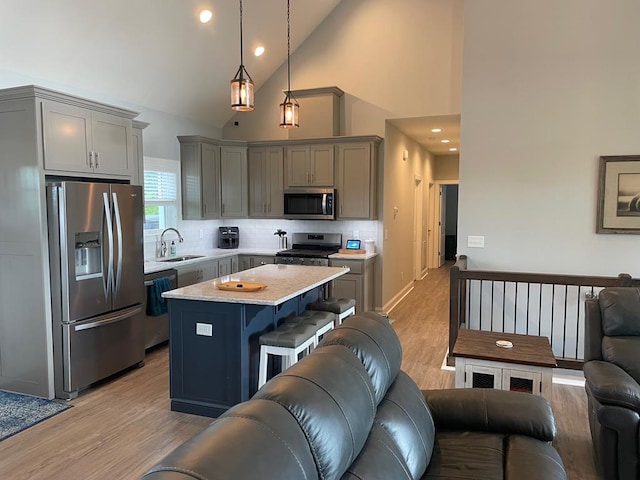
<point>120,429</point>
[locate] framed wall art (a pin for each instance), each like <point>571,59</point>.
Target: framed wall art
<point>619,195</point>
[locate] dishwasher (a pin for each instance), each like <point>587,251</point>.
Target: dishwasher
<point>156,327</point>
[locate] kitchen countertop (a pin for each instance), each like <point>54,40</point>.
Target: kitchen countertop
<point>154,265</point>
<point>283,283</point>
<point>350,256</point>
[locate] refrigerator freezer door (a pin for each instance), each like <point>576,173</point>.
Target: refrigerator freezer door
<point>84,248</point>
<point>96,348</point>
<point>128,278</point>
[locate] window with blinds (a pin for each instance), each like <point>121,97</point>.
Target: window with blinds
<point>161,194</point>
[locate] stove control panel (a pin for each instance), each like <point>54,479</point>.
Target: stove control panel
<point>312,262</point>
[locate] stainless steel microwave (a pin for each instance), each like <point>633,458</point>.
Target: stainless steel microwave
<point>310,204</point>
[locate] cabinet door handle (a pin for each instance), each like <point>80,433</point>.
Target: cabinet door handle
<point>308,178</point>
<point>311,177</point>
<point>90,159</point>
<point>204,208</point>
<point>97,159</point>
<point>268,208</point>
<point>264,208</point>
<point>223,208</point>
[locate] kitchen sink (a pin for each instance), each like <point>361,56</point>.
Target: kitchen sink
<point>181,259</point>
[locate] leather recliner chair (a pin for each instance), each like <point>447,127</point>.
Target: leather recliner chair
<point>612,374</point>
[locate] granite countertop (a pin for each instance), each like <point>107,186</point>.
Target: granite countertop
<point>154,265</point>
<point>283,283</point>
<point>350,256</point>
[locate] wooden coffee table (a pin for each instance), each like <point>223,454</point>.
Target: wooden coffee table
<point>526,367</point>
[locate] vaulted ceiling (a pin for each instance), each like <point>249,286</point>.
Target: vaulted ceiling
<point>154,53</point>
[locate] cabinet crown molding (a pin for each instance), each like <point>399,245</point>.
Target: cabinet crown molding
<point>313,141</point>
<point>34,91</point>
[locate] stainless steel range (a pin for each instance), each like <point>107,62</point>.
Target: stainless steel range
<point>310,249</point>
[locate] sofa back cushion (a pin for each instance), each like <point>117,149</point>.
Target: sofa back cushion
<point>330,395</point>
<point>254,440</point>
<point>404,415</point>
<point>620,311</point>
<point>370,337</point>
<point>380,459</point>
<point>623,352</point>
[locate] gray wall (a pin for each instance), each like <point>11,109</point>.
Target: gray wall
<point>548,87</point>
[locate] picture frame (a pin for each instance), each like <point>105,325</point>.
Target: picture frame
<point>619,194</point>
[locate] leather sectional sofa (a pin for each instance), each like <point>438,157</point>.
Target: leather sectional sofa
<point>347,411</point>
<point>612,380</point>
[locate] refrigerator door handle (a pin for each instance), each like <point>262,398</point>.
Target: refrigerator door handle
<point>118,275</point>
<point>107,211</point>
<point>108,319</point>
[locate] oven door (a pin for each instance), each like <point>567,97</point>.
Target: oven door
<point>310,204</point>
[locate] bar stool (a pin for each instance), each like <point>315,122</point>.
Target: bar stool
<point>287,341</point>
<point>340,307</point>
<point>321,321</point>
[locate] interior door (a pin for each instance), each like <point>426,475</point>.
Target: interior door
<point>128,276</point>
<point>442,225</point>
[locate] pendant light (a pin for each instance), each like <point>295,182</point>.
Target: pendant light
<point>289,108</point>
<point>242,90</point>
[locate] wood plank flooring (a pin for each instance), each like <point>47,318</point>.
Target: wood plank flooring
<point>121,428</point>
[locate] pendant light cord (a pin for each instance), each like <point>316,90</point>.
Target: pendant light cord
<point>241,43</point>
<point>288,51</point>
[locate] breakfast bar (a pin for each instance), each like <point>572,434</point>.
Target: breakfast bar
<point>214,333</point>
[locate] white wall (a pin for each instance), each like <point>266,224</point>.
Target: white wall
<point>392,59</point>
<point>398,225</point>
<point>548,87</point>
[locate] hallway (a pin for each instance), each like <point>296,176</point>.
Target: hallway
<point>422,323</point>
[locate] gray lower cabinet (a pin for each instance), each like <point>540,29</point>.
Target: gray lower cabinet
<point>227,266</point>
<point>246,262</point>
<point>190,274</point>
<point>357,284</point>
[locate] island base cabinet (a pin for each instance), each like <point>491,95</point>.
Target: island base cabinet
<point>214,351</point>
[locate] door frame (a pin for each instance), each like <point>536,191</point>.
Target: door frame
<point>434,220</point>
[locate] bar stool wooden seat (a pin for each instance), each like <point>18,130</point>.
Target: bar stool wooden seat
<point>322,322</point>
<point>287,341</point>
<point>340,307</point>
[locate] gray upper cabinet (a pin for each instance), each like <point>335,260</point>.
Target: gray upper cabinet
<point>137,152</point>
<point>234,181</point>
<point>80,140</point>
<point>200,180</point>
<point>357,180</point>
<point>309,165</point>
<point>214,179</point>
<point>266,182</point>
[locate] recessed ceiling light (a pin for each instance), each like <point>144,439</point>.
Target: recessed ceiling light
<point>258,51</point>
<point>436,130</point>
<point>445,141</point>
<point>453,149</point>
<point>206,16</point>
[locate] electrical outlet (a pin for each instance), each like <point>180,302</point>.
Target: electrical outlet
<point>204,329</point>
<point>201,234</point>
<point>402,276</point>
<point>386,234</point>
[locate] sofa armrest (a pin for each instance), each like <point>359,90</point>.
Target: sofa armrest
<point>489,410</point>
<point>611,385</point>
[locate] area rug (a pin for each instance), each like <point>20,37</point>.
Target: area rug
<point>19,412</point>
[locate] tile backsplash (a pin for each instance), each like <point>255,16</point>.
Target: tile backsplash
<point>257,233</point>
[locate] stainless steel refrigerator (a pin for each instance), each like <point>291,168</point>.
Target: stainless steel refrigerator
<point>97,281</point>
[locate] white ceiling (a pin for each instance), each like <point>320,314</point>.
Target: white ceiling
<point>419,129</point>
<point>153,53</point>
<point>156,53</point>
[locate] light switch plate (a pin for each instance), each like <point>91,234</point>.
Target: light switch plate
<point>475,241</point>
<point>204,329</point>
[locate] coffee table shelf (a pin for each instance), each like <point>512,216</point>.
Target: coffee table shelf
<point>527,367</point>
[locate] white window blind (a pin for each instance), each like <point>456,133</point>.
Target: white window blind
<point>160,187</point>
<point>161,194</point>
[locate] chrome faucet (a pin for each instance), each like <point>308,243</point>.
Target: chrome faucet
<point>163,244</point>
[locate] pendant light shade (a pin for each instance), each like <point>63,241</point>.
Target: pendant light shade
<point>289,108</point>
<point>242,89</point>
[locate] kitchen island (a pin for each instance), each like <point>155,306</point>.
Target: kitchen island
<point>214,347</point>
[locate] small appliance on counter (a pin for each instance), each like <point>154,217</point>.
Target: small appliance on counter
<point>228,237</point>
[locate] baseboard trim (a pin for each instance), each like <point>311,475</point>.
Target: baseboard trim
<point>391,304</point>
